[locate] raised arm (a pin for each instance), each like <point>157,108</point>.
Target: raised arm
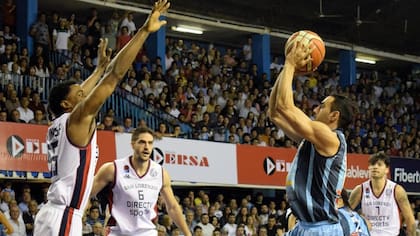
<point>276,117</point>
<point>82,120</point>
<point>407,213</point>
<point>291,118</point>
<point>172,206</point>
<point>104,57</point>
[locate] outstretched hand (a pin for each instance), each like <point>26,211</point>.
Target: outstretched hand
<point>299,55</point>
<point>104,53</point>
<point>153,23</point>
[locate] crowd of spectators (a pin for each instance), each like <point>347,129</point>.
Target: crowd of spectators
<point>214,93</point>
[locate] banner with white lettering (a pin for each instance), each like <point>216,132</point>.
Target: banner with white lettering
<point>406,172</point>
<point>190,160</point>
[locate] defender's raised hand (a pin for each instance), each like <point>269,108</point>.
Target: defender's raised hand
<point>153,23</point>
<point>104,53</point>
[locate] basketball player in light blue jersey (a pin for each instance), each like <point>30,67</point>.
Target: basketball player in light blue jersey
<point>351,222</point>
<point>318,170</point>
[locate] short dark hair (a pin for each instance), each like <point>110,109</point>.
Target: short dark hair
<point>345,198</point>
<point>380,156</point>
<point>57,94</point>
<point>141,130</point>
<point>346,107</point>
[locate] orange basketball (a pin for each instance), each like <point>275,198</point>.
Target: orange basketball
<point>308,38</point>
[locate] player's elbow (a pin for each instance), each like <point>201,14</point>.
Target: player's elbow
<point>115,71</point>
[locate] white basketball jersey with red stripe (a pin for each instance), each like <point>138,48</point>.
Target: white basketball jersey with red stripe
<point>72,168</point>
<point>382,211</point>
<point>134,197</point>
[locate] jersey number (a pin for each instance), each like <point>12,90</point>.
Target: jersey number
<point>52,157</point>
<point>141,195</point>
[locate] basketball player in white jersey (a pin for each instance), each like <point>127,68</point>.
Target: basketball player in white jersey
<point>382,200</point>
<point>134,185</point>
<point>71,139</point>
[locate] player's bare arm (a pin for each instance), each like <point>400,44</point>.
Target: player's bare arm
<point>325,140</point>
<point>276,117</point>
<point>104,57</point>
<point>355,197</point>
<point>172,206</point>
<point>4,221</point>
<point>407,213</point>
<point>82,121</point>
<point>104,177</point>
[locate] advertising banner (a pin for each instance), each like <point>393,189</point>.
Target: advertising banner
<point>190,160</point>
<point>270,166</point>
<point>106,144</point>
<point>263,165</point>
<point>406,172</point>
<point>23,147</point>
<point>357,170</point>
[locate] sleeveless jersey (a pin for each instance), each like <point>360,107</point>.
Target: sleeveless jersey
<point>382,211</point>
<point>133,198</point>
<point>352,223</point>
<point>72,168</point>
<point>314,182</point>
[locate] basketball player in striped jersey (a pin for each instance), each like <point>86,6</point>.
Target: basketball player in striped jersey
<point>382,200</point>
<point>134,184</point>
<point>352,223</point>
<point>71,138</point>
<point>318,170</point>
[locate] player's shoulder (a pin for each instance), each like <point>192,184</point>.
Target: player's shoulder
<point>399,190</point>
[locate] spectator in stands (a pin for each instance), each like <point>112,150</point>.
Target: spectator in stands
<point>86,228</point>
<point>8,10</point>
<point>129,23</point>
<point>2,45</point>
<point>26,114</point>
<point>36,103</point>
<point>111,36</point>
<point>40,32</point>
<point>114,22</point>
<point>5,201</point>
<point>24,204</point>
<point>15,116</point>
<point>247,49</point>
<point>29,217</point>
<point>39,118</point>
<point>7,56</point>
<point>17,222</point>
<point>3,115</point>
<point>97,230</point>
<point>272,227</point>
<point>230,226</point>
<point>163,131</point>
<point>2,101</point>
<point>128,125</point>
<point>61,37</point>
<point>123,38</point>
<point>204,224</point>
<point>94,216</point>
<point>41,69</point>
<point>77,76</point>
<point>108,124</point>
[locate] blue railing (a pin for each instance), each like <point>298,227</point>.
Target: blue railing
<point>124,103</point>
